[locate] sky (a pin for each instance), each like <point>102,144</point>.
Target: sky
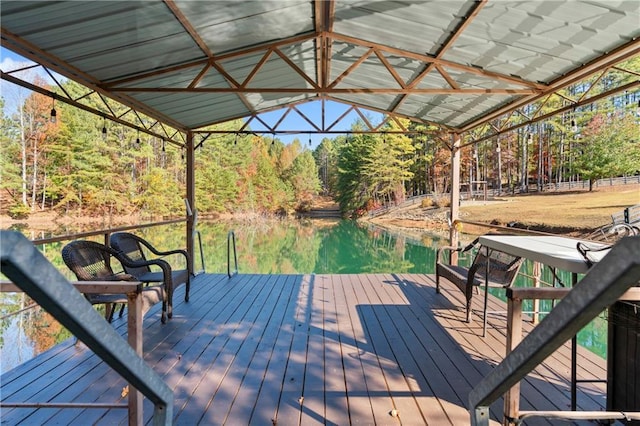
<point>293,121</point>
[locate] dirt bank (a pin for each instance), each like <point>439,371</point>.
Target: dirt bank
<point>578,214</point>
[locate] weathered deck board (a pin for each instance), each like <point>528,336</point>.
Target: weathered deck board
<point>305,349</point>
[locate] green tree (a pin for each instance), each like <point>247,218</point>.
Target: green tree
<point>304,179</point>
<point>326,157</point>
<point>353,190</point>
<point>388,166</point>
<point>10,178</point>
<point>610,147</point>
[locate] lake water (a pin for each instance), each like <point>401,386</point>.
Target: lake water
<point>265,247</point>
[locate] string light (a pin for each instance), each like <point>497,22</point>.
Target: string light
<point>235,142</point>
<point>309,139</point>
<point>53,111</point>
<point>163,145</point>
<point>104,128</point>
<point>138,138</point>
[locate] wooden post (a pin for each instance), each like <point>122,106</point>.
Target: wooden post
<point>454,208</point>
<point>191,199</point>
<point>134,337</point>
<point>514,336</point>
<point>537,273</point>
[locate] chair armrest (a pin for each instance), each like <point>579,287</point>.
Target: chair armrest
<point>441,250</point>
<point>163,253</point>
<point>452,249</point>
<point>163,264</point>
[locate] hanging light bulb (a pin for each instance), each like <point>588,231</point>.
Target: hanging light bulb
<point>574,125</point>
<point>163,145</point>
<point>273,138</point>
<point>54,114</point>
<point>138,138</point>
<point>235,142</point>
<point>104,128</point>
<point>309,139</point>
<point>182,153</point>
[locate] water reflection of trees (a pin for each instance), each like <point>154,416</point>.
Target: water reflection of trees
<point>30,329</point>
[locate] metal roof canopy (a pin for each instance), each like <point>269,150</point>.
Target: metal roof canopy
<point>455,63</point>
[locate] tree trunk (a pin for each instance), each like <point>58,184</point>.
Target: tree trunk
<point>34,176</point>
<point>44,190</point>
<point>23,146</point>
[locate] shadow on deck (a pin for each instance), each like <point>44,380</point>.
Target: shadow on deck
<point>304,349</point>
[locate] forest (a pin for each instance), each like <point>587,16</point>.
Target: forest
<point>77,164</point>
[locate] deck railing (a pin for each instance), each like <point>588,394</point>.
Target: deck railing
<point>105,232</point>
<point>22,263</point>
<point>604,284</point>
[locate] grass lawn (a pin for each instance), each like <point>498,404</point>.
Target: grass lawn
<point>578,210</point>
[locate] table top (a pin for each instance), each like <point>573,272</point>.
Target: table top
<point>554,251</point>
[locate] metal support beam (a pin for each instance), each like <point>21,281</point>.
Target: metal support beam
<point>454,208</point>
<point>191,200</point>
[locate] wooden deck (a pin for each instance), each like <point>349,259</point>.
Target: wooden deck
<point>304,349</point>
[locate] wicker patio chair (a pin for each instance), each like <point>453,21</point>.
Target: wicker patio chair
<point>498,269</point>
<point>91,261</point>
<point>133,247</point>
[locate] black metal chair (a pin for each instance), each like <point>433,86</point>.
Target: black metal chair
<point>490,269</point>
<point>91,261</point>
<point>133,248</point>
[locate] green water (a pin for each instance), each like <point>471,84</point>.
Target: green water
<point>269,247</point>
<point>340,247</point>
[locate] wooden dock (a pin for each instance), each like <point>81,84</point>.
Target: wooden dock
<point>304,350</point>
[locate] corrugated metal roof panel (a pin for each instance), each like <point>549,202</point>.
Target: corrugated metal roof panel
<point>418,26</point>
<point>195,109</point>
<point>374,101</point>
<point>226,26</point>
<point>110,40</point>
<point>154,44</point>
<point>265,102</point>
<point>177,79</point>
<point>540,41</point>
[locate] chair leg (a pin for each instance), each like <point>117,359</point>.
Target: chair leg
<point>437,284</point>
<point>484,311</point>
<point>109,309</point>
<point>187,287</point>
<point>163,318</point>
